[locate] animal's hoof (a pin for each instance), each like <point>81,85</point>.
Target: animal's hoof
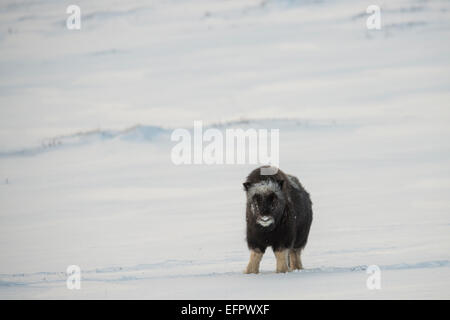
<point>282,271</point>
<point>250,272</point>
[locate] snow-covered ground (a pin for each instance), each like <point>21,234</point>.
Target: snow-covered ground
<point>363,118</point>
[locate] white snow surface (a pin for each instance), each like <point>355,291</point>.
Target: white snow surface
<point>363,118</point>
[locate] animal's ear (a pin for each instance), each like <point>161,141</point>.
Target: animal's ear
<point>281,183</point>
<point>246,185</point>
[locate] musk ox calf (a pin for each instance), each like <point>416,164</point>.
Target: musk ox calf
<point>279,215</point>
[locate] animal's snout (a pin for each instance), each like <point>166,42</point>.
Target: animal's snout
<point>265,220</point>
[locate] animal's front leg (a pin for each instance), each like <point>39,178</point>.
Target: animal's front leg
<point>295,259</point>
<point>282,260</point>
<point>255,259</point>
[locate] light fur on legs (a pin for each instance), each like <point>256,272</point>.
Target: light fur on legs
<point>295,261</point>
<point>282,260</point>
<point>255,259</point>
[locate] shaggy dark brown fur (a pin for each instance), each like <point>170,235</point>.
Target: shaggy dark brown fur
<point>279,215</point>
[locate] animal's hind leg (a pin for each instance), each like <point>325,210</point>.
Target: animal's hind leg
<point>295,260</point>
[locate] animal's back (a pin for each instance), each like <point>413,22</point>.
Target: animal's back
<point>302,206</point>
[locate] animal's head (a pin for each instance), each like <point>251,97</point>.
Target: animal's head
<point>265,202</point>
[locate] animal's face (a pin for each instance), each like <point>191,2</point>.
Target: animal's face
<point>265,202</point>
